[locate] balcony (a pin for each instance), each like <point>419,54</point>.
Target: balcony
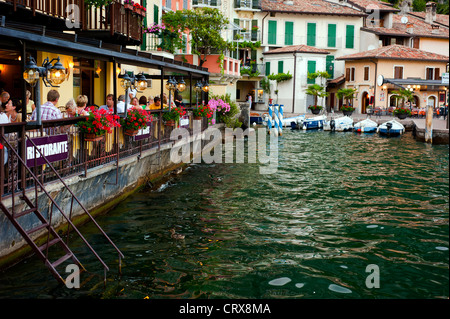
<point>206,3</point>
<point>247,5</point>
<point>253,70</point>
<point>112,23</point>
<point>245,35</point>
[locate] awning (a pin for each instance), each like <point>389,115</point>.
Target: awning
<point>431,85</point>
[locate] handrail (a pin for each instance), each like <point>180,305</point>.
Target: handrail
<point>73,195</point>
<point>53,201</point>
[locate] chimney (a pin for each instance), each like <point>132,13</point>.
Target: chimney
<point>435,29</point>
<point>405,7</point>
<point>430,12</point>
<point>410,28</point>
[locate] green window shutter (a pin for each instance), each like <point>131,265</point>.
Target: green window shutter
<point>155,13</point>
<point>330,66</point>
<point>254,32</point>
<point>194,3</point>
<point>237,3</point>
<point>289,33</point>
<point>350,37</point>
<point>311,69</point>
<point>272,32</point>
<point>256,4</point>
<point>213,3</point>
<point>144,35</point>
<point>331,36</point>
<point>280,66</point>
<point>267,68</point>
<point>253,55</point>
<point>311,34</point>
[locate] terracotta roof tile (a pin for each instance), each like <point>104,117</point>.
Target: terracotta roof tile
<point>440,18</point>
<point>370,4</point>
<point>309,7</point>
<point>419,28</point>
<point>396,52</point>
<point>297,48</point>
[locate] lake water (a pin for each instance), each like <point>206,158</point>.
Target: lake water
<point>338,203</point>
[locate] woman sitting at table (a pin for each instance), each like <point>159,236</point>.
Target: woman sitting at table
<point>81,102</point>
<point>12,110</point>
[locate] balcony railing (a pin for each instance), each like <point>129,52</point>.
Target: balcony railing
<point>113,18</point>
<point>252,35</point>
<point>253,70</point>
<point>82,155</point>
<point>247,4</point>
<point>206,3</point>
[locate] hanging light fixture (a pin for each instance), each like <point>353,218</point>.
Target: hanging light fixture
<point>205,86</point>
<point>181,86</point>
<point>198,87</point>
<point>56,74</point>
<point>125,83</point>
<point>141,82</point>
<point>171,84</point>
<point>31,73</point>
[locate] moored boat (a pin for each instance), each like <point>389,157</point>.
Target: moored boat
<point>312,123</point>
<point>391,128</point>
<point>340,124</point>
<point>365,126</point>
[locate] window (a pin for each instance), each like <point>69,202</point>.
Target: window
<point>350,74</point>
<point>415,43</point>
<point>155,14</point>
<point>255,30</point>
<point>433,73</point>
<point>289,33</point>
<point>330,65</point>
<point>311,34</point>
<point>350,37</point>
<point>267,68</point>
<point>331,36</point>
<point>311,69</point>
<point>398,72</point>
<point>280,66</point>
<point>272,32</point>
<point>366,73</point>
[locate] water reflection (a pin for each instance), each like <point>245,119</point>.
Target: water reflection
<point>337,203</point>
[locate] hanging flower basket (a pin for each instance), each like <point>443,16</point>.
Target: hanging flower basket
<point>128,4</point>
<point>198,118</point>
<point>92,137</point>
<point>136,119</point>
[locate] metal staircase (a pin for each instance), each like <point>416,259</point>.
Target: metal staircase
<point>53,238</point>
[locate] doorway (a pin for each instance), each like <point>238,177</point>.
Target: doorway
<point>364,102</point>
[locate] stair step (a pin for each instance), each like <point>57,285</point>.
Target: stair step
<point>50,243</point>
<point>25,212</point>
<point>35,229</point>
<point>61,260</point>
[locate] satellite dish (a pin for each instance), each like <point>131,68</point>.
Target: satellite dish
<point>404,20</point>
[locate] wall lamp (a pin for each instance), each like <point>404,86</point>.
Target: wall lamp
<point>52,74</point>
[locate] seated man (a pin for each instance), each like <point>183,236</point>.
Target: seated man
<point>121,104</point>
<point>156,105</point>
<point>49,110</point>
<point>109,106</point>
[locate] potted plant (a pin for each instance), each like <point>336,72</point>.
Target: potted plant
<point>347,110</point>
<point>402,112</point>
<point>348,95</point>
<point>404,95</point>
<point>172,116</point>
<point>201,112</point>
<point>97,124</point>
<point>317,91</point>
<point>136,119</point>
<point>128,4</point>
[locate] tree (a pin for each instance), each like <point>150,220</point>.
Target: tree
<point>347,94</point>
<point>404,95</point>
<point>205,26</point>
<point>317,91</point>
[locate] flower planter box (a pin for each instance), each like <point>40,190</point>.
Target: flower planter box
<point>169,123</point>
<point>315,111</point>
<point>348,113</point>
<point>130,132</point>
<point>198,118</point>
<point>402,116</point>
<point>128,7</point>
<point>92,137</point>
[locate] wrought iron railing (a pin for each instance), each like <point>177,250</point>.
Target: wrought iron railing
<point>82,155</point>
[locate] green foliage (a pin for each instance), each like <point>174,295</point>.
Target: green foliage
<point>280,77</point>
<point>227,118</point>
<point>205,26</point>
<point>265,85</point>
<point>317,91</point>
<point>403,95</point>
<point>245,44</point>
<point>347,94</point>
<point>97,3</point>
<point>319,74</point>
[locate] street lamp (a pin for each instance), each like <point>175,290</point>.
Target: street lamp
<point>171,85</point>
<point>198,88</point>
<point>52,75</point>
<point>138,82</point>
<point>181,86</point>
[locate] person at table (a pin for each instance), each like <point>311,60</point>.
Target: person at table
<point>30,103</point>
<point>135,102</point>
<point>109,106</point>
<point>156,105</point>
<point>49,110</point>
<point>12,110</point>
<point>81,103</point>
<point>143,102</point>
